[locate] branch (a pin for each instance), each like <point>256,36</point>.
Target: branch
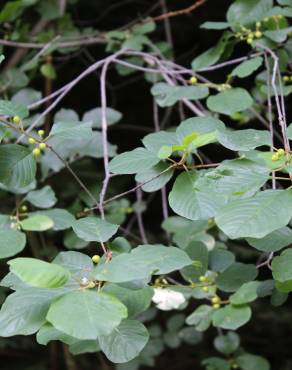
<point>179,12</point>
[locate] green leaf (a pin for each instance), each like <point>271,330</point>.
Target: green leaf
<point>215,25</point>
<point>10,109</point>
<point>252,362</point>
<point>158,182</point>
<point>84,346</point>
<point>198,252</point>
<point>85,314</point>
<point>238,178</point>
<point>47,333</point>
<point>212,55</point>
<point>282,266</point>
<point>71,131</point>
<point>43,198</point>
<point>164,152</point>
<point>24,311</point>
<point>247,12</point>
<point>244,140</point>
<point>39,273</point>
<point>94,229</point>
<point>142,262</point>
<point>167,95</point>
<point>220,259</point>
<point>247,67</point>
<point>231,317</point>
<point>274,241</point>
<point>11,242</point>
<point>136,300</point>
<point>201,318</point>
<point>48,71</point>
<point>216,363</point>
<point>199,125</point>
<point>17,166</point>
<point>228,343</point>
<point>135,161</point>
<point>230,101</point>
<point>125,342</point>
<point>235,276</point>
<point>256,217</point>
<point>202,140</point>
<point>37,222</point>
<point>153,142</point>
<point>74,262</point>
<point>94,116</point>
<point>246,293</point>
<point>188,201</point>
<point>278,36</point>
<point>61,218</point>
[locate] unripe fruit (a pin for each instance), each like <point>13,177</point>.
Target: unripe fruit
<point>234,366</point>
<point>203,278</point>
<point>258,34</point>
<point>91,285</point>
<point>16,120</point>
<point>23,208</point>
<point>286,78</point>
<point>216,306</point>
<point>281,152</point>
<point>95,258</point>
<point>205,289</point>
<point>42,146</point>
<point>36,152</point>
<point>249,41</point>
<point>258,24</point>
<point>41,132</point>
<point>193,80</point>
<point>215,300</point>
<point>275,157</point>
<point>31,140</point>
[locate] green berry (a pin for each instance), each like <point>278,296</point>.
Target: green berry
<point>205,289</point>
<point>193,80</point>
<point>16,120</point>
<point>42,146</point>
<point>215,300</point>
<point>203,278</point>
<point>258,34</point>
<point>249,40</point>
<point>280,152</point>
<point>41,132</point>
<point>23,208</point>
<point>95,258</point>
<point>91,285</point>
<point>31,140</point>
<point>216,306</point>
<point>275,157</point>
<point>36,152</point>
<point>286,78</point>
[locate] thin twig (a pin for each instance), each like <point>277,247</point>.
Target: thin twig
<point>176,13</point>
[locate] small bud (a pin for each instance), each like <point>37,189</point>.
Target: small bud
<point>203,278</point>
<point>193,80</point>
<point>234,366</point>
<point>91,285</point>
<point>84,281</point>
<point>258,24</point>
<point>12,225</point>
<point>16,120</point>
<point>266,19</point>
<point>216,306</point>
<point>41,133</point>
<point>42,146</point>
<point>31,140</point>
<point>95,258</point>
<point>23,208</point>
<point>36,152</point>
<point>215,300</point>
